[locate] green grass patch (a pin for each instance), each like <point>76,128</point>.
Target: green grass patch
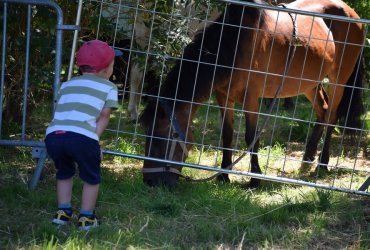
<point>194,216</point>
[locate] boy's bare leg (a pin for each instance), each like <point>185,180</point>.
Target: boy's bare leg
<point>89,196</point>
<point>64,190</point>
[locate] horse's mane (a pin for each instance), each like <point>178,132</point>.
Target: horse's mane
<point>192,76</point>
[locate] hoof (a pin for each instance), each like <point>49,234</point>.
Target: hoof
<point>321,171</point>
<point>305,167</point>
<point>308,159</point>
<point>254,183</point>
<point>224,178</point>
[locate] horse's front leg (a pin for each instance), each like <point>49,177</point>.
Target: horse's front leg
<point>227,122</point>
<point>251,116</point>
<point>319,100</point>
<point>311,147</point>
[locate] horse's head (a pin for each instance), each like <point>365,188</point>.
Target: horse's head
<point>166,141</point>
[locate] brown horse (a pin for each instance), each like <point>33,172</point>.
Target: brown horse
<point>250,53</point>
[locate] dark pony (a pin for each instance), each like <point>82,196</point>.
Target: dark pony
<point>242,57</point>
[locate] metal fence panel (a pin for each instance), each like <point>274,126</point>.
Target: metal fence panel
<point>284,134</point>
<point>283,138</point>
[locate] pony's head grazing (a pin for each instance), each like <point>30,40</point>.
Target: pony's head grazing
<point>206,62</point>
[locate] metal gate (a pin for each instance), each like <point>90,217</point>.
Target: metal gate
<point>22,139</point>
<point>282,157</point>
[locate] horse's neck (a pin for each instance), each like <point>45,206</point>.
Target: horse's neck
<point>185,112</point>
<point>192,81</point>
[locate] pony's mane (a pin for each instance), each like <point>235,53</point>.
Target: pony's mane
<point>192,76</point>
<point>217,39</point>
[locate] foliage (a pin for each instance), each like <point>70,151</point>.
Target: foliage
<point>361,7</point>
<point>40,70</point>
<point>170,24</point>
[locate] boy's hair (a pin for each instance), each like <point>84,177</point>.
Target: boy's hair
<point>93,56</point>
<point>86,68</point>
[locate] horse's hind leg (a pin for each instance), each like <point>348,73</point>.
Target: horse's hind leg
<point>251,116</point>
<point>227,121</point>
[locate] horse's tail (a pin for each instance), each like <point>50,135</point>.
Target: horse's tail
<point>351,107</point>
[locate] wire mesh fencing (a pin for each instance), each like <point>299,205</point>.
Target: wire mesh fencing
<point>293,52</point>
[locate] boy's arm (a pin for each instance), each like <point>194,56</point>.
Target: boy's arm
<point>103,121</point>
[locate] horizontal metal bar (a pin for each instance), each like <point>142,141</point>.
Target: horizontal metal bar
<point>68,27</point>
<point>296,11</point>
<point>262,6</point>
<point>22,143</point>
<point>243,173</point>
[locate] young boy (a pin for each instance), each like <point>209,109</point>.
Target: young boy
<point>82,114</point>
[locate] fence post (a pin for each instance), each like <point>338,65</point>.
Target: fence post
<point>40,154</point>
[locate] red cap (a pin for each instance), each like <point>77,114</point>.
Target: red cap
<point>96,54</point>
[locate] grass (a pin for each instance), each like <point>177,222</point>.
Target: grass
<point>204,215</point>
<point>194,216</point>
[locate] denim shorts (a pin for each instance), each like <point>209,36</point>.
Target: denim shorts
<point>68,149</point>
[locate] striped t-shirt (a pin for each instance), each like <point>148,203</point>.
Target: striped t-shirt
<point>80,102</point>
